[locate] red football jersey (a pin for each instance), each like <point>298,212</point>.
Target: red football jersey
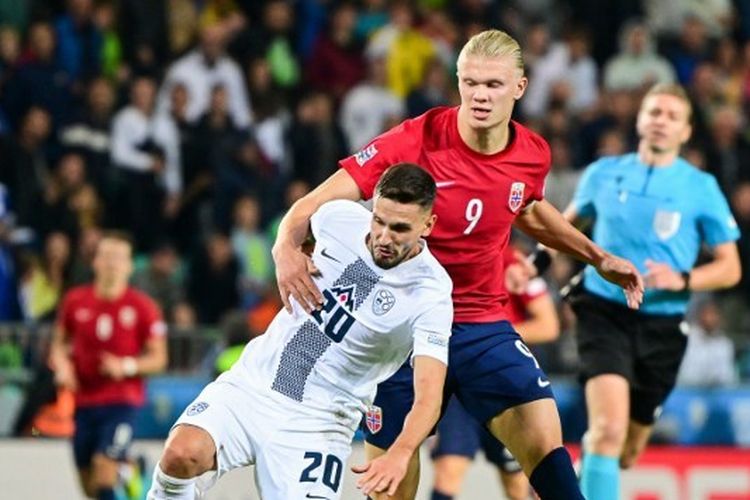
<point>479,197</point>
<point>120,327</point>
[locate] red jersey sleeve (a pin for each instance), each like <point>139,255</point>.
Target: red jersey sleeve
<point>152,323</point>
<point>400,144</point>
<point>537,194</point>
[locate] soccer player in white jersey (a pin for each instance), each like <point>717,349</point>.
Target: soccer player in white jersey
<point>293,401</point>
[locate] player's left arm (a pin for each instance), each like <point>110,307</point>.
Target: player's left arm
<point>723,271</point>
<point>386,472</point>
<point>546,224</point>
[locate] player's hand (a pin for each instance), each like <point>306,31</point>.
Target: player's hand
<point>111,366</point>
<point>622,272</point>
<point>518,274</point>
<point>293,276</point>
<point>663,277</point>
<point>384,473</point>
<point>65,376</point>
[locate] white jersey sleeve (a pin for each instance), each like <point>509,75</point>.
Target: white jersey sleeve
<point>432,331</point>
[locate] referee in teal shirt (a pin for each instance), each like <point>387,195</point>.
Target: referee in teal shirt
<point>657,210</point>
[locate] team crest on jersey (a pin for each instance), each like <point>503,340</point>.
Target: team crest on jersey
<point>197,408</point>
<point>374,419</point>
<point>515,199</point>
<point>666,224</point>
<point>365,155</point>
<point>383,302</point>
<point>127,317</point>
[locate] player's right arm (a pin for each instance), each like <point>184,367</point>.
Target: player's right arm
<point>292,273</point>
<point>59,355</point>
<point>386,472</point>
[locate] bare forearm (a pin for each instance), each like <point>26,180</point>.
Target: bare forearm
<point>714,275</point>
<point>418,424</point>
<point>548,226</point>
<point>150,364</point>
<point>538,330</point>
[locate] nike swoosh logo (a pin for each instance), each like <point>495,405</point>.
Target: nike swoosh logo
<point>315,496</point>
<point>443,184</point>
<point>542,383</point>
<point>327,255</point>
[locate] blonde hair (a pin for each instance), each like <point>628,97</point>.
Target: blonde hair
<point>493,43</point>
<point>673,89</point>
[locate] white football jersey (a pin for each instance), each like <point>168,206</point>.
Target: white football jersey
<point>332,360</point>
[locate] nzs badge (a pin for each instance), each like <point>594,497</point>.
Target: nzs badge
<point>383,302</point>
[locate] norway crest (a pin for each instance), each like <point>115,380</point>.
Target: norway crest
<point>374,419</point>
<point>515,198</point>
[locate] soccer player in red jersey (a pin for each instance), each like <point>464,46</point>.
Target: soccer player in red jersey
<point>106,338</point>
<point>490,174</point>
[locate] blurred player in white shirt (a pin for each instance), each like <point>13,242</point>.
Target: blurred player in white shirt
<point>293,401</point>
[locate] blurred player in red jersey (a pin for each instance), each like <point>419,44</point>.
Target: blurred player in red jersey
<point>490,173</point>
<point>534,315</point>
<point>106,338</point>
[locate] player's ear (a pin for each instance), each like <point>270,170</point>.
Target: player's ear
<point>523,82</point>
<point>429,225</point>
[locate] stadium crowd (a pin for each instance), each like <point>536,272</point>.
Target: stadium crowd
<point>194,124</point>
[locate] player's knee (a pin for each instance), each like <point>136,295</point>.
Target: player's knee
<point>103,473</point>
<point>184,459</point>
<point>607,433</point>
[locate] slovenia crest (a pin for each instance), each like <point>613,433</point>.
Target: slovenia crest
<point>382,302</point>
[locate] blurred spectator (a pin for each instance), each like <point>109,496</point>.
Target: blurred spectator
<point>336,63</point>
<point>79,41</point>
<point>57,210</point>
<point>370,107</point>
<point>406,51</point>
<point>39,81</point>
<point>214,269</point>
<point>295,190</point>
<point>81,267</point>
<point>45,278</point>
<point>703,91</point>
<point>317,140</point>
<point>224,14</point>
<point>434,90</point>
<point>142,25</point>
<point>88,132</point>
<point>727,152</point>
<point>709,358</point>
<point>273,40</point>
<point>161,279</point>
<point>252,250</point>
<point>24,168</point>
<point>741,209</point>
<point>183,317</point>
<point>444,34</point>
<point>200,71</point>
<point>637,66</point>
<point>237,334</point>
<point>563,178</point>
<point>566,74</point>
<point>730,72</point>
<point>111,50</point>
<point>690,49</point>
<point>10,309</point>
<point>618,117</point>
<point>15,13</point>
<point>182,25</point>
<point>145,147</point>
<point>271,118</point>
<point>371,17</point>
<point>10,51</point>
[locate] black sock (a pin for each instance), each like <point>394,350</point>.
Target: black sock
<point>554,477</point>
<point>436,495</point>
<point>106,494</point>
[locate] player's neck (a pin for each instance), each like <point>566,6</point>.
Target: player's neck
<point>485,141</point>
<point>109,291</point>
<point>655,158</point>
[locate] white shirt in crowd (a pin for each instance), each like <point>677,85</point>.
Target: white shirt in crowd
<point>200,78</point>
<point>131,129</point>
<point>708,360</point>
<point>365,111</point>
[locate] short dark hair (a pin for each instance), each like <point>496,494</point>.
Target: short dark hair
<point>407,183</point>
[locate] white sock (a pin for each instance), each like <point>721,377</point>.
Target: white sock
<point>166,487</point>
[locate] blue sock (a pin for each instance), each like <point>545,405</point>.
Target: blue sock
<point>600,477</point>
<point>105,494</point>
<point>436,495</point>
<point>554,477</point>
